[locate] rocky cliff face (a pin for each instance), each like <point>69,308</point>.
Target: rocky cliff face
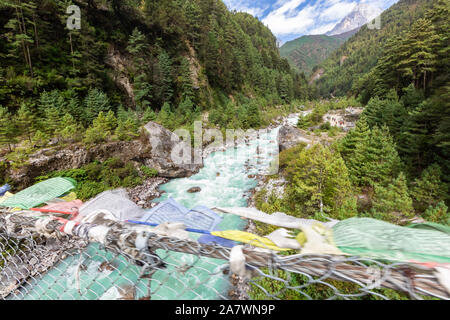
<point>153,149</point>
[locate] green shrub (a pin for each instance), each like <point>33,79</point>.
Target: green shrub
<point>93,171</point>
<point>286,157</point>
<point>112,181</point>
<point>113,163</point>
<point>131,182</point>
<point>438,214</point>
<point>97,177</point>
<point>149,172</point>
<point>325,126</point>
<point>89,189</point>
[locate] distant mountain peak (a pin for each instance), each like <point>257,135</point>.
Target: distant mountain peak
<point>361,14</point>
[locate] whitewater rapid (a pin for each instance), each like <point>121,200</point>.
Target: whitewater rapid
<point>226,180</point>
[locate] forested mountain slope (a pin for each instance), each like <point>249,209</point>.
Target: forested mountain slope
<point>363,50</point>
<point>402,72</point>
<point>308,51</point>
<point>178,56</point>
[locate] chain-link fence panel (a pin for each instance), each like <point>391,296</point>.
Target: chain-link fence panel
<point>46,259</point>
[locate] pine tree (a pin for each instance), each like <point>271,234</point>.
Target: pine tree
<point>374,161</point>
<point>137,46</point>
<point>122,114</point>
<point>253,115</point>
<point>285,89</point>
<point>418,51</point>
<point>70,129</point>
<point>438,214</point>
<point>40,139</point>
<point>121,132</point>
<point>52,122</point>
<point>429,190</point>
<point>439,107</point>
<point>319,182</point>
<point>7,130</point>
<point>74,107</point>
<point>149,115</point>
<point>127,130</point>
<point>185,111</point>
<point>414,138</point>
<point>412,97</point>
<point>186,80</point>
<point>95,102</point>
<point>166,80</point>
<point>142,92</point>
<point>53,99</point>
<point>304,122</point>
<point>438,15</point>
<point>110,121</point>
<point>393,200</point>
<point>99,130</point>
<point>211,57</point>
<point>20,36</point>
<point>25,121</point>
<point>386,74</point>
<point>192,13</point>
<point>360,134</point>
<point>165,116</point>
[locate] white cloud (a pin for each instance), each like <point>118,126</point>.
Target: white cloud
<point>246,6</point>
<point>318,17</point>
<point>293,18</point>
<point>337,11</point>
<point>286,20</point>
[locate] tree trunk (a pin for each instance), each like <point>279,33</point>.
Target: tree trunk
<point>21,32</point>
<point>29,60</point>
<point>36,36</point>
<point>424,80</point>
<point>26,45</point>
<point>71,50</point>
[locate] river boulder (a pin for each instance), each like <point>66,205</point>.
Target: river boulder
<point>194,190</point>
<point>289,137</point>
<point>171,156</point>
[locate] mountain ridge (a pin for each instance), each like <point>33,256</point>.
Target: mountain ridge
<point>359,16</point>
<point>308,51</point>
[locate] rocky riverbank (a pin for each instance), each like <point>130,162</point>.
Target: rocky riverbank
<point>144,194</point>
<point>153,149</point>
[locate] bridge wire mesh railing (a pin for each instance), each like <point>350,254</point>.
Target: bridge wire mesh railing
<point>39,261</point>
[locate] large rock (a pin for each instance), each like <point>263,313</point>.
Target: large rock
<point>171,156</point>
<point>289,137</point>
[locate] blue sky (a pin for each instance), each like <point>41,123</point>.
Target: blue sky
<point>289,19</point>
